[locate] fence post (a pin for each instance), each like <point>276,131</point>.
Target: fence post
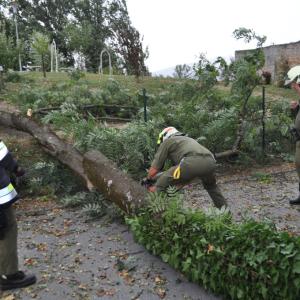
<point>263,122</point>
<point>145,104</point>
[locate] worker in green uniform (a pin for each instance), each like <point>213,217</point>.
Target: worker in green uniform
<point>190,160</point>
<point>10,275</point>
<point>293,80</point>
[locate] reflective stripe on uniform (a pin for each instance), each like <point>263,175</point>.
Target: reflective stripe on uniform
<point>7,194</point>
<point>3,150</point>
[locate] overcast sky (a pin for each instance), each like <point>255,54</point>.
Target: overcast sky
<point>177,31</point>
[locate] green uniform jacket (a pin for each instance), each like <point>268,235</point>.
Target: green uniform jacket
<point>297,121</point>
<point>175,148</point>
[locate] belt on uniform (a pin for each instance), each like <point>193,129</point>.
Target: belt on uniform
<point>198,154</point>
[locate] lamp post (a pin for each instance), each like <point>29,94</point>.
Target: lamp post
<point>14,5</point>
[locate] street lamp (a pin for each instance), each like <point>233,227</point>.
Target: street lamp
<point>14,5</point>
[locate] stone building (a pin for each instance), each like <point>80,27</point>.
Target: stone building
<point>279,58</point>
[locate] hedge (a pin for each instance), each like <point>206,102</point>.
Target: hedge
<point>248,260</point>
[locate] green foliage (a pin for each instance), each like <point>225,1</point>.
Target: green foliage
<point>132,148</point>
<point>206,73</point>
<point>13,77</point>
<point>262,177</point>
<point>49,178</point>
<point>74,200</point>
<point>8,52</point>
<point>249,260</point>
<point>92,203</point>
<point>75,75</point>
<point>40,44</point>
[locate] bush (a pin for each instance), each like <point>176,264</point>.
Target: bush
<point>250,260</point>
<point>13,77</point>
<point>76,74</point>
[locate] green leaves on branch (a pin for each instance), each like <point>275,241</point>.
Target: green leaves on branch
<point>249,260</point>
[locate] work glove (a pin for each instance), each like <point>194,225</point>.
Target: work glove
<point>19,172</point>
<point>147,182</point>
<point>18,178</point>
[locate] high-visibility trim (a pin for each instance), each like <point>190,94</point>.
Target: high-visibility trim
<point>3,150</point>
<point>7,194</point>
<point>177,171</point>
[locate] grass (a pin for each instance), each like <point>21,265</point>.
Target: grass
<point>151,84</point>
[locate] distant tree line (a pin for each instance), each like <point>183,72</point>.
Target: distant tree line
<point>79,27</point>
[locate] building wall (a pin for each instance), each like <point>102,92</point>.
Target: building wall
<point>290,52</point>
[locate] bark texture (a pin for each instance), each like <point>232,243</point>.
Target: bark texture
<point>116,185</point>
<point>93,168</point>
<point>51,143</point>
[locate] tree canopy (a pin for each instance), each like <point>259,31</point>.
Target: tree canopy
<point>83,27</point>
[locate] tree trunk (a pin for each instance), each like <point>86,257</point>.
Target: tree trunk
<point>63,151</point>
<point>93,168</point>
<point>116,185</point>
<point>43,65</point>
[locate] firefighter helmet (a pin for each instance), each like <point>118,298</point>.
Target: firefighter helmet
<point>293,75</point>
<point>166,133</point>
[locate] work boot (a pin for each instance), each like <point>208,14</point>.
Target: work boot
<point>17,280</point>
<point>297,200</point>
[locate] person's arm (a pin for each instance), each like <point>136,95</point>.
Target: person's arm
<point>8,162</point>
<point>159,160</point>
<point>295,86</point>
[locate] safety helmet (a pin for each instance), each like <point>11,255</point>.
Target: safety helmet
<point>293,75</point>
<point>166,133</point>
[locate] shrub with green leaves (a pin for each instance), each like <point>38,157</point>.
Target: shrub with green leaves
<point>132,148</point>
<point>50,178</point>
<point>12,76</point>
<point>75,75</point>
<point>250,260</point>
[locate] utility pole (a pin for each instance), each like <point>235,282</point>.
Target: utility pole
<point>15,10</point>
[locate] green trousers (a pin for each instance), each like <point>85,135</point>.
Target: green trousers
<point>297,159</point>
<point>8,245</point>
<point>193,167</point>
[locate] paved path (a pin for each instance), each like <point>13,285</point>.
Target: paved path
<point>78,259</point>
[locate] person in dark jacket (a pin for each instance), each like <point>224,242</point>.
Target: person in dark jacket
<point>10,275</point>
<point>293,80</point>
<point>190,160</point>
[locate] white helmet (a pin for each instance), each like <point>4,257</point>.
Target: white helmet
<point>166,133</point>
<point>293,75</point>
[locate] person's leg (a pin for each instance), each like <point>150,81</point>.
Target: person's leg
<point>210,184</point>
<point>8,245</point>
<point>165,180</point>
<point>10,276</point>
<point>297,164</point>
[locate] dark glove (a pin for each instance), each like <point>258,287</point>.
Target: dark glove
<point>146,182</point>
<point>3,223</point>
<point>19,172</point>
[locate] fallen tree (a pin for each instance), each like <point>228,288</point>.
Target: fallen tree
<point>97,170</point>
<point>116,185</point>
<point>93,168</point>
<point>50,142</point>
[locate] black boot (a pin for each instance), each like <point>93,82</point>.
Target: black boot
<point>17,280</point>
<point>297,200</point>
